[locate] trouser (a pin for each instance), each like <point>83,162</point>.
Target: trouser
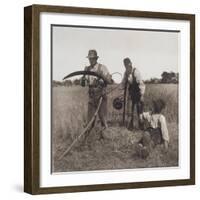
<point>151,137</point>
<point>94,96</point>
<point>135,101</point>
<point>139,106</point>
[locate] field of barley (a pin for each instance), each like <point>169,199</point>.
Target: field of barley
<point>117,149</point>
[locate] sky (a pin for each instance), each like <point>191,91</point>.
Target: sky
<point>151,52</point>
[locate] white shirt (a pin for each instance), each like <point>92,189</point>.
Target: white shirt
<point>101,70</point>
<point>138,78</point>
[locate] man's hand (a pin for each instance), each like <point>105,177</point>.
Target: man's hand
<point>100,83</point>
<point>83,81</point>
<point>142,98</point>
<point>166,146</point>
<point>130,78</point>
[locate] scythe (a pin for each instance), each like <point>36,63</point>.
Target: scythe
<point>88,127</point>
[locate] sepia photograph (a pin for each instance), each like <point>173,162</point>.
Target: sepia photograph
<point>109,99</point>
<point>114,98</point>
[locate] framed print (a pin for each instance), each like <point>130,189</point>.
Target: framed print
<point>109,99</point>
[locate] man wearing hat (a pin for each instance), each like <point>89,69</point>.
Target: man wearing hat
<point>96,87</point>
<point>136,88</point>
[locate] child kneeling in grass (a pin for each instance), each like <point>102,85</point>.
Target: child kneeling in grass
<point>155,129</point>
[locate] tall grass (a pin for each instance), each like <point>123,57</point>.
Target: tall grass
<point>69,116</point>
<point>168,92</point>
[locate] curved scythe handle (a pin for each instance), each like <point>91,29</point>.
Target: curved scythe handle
<point>85,129</point>
<point>96,112</point>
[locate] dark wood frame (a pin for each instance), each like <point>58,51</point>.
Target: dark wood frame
<point>32,105</point>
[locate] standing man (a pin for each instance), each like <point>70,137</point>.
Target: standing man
<point>97,88</point>
<point>132,81</point>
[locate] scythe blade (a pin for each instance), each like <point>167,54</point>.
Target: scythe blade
<point>85,73</point>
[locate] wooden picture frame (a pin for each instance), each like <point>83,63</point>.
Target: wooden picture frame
<point>32,97</point>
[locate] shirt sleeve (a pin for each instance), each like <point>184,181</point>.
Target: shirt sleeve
<point>146,116</point>
<point>164,130</point>
<point>123,82</point>
<point>140,82</point>
<point>105,73</point>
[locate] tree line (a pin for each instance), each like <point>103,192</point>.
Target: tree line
<point>166,77</point>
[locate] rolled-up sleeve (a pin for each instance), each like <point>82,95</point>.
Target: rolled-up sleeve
<point>105,73</point>
<point>146,116</point>
<point>140,82</point>
<point>164,130</point>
